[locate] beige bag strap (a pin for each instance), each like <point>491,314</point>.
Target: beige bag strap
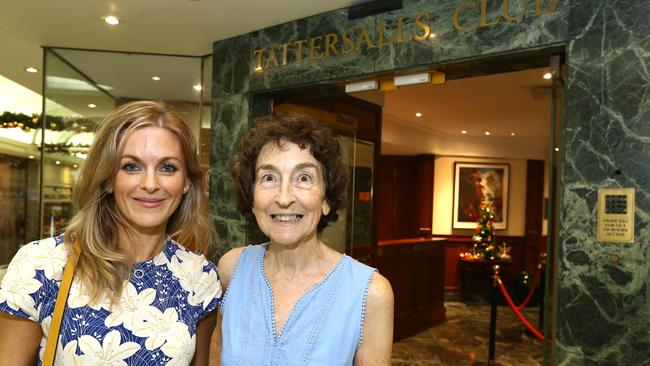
<point>59,306</point>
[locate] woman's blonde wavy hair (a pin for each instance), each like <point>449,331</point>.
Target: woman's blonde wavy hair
<point>102,268</point>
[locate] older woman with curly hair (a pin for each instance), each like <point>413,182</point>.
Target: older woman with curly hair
<point>294,300</point>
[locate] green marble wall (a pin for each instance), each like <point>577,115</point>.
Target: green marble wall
<point>604,289</point>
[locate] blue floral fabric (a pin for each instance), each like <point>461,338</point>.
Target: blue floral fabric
<point>154,322</point>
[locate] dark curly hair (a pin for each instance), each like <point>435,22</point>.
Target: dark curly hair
<point>304,131</point>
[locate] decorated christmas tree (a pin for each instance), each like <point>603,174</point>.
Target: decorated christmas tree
<point>484,243</point>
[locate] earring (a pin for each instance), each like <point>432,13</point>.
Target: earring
<point>185,189</point>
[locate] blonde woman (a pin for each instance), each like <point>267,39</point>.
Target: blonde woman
<point>138,296</point>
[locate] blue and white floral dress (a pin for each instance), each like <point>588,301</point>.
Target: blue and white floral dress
<point>154,322</point>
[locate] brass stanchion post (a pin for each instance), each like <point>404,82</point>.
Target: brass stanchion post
<point>493,312</point>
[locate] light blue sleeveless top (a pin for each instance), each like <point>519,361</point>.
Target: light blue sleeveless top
<point>324,327</point>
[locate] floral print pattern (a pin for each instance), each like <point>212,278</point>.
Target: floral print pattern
<point>153,323</point>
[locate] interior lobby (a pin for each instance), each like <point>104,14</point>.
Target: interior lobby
<point>537,110</point>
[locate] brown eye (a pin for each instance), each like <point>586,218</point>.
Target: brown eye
<point>304,178</point>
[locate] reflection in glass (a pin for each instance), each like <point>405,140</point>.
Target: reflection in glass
<point>353,229</point>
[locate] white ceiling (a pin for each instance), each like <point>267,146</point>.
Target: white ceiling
<point>183,27</point>
<point>515,102</point>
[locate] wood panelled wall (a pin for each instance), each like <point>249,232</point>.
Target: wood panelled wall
<point>405,196</point>
<point>405,201</point>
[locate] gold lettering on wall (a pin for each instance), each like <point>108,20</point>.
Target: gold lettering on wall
<point>365,38</point>
<point>381,41</point>
<point>348,41</point>
<point>540,12</point>
<point>468,15</point>
<point>506,10</point>
<point>422,25</point>
<point>331,40</point>
<point>400,30</point>
<point>272,60</point>
<point>285,48</point>
<point>258,52</point>
<point>299,44</point>
<point>315,44</point>
<point>459,9</point>
<point>484,21</point>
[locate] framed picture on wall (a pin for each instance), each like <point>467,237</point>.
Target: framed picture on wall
<point>473,184</point>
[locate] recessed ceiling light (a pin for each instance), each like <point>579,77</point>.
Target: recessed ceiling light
<point>31,69</point>
<point>463,132</point>
<point>31,156</point>
<point>487,133</point>
<point>155,78</point>
<point>418,114</point>
<point>57,162</point>
<point>198,87</point>
<point>432,36</point>
<point>92,105</point>
<point>512,133</point>
<point>76,166</point>
<point>547,75</point>
<point>557,149</point>
<point>112,20</point>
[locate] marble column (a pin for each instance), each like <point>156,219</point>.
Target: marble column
<point>230,118</point>
<point>604,289</point>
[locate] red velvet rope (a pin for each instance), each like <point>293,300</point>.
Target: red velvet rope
<point>532,290</point>
<point>521,317</point>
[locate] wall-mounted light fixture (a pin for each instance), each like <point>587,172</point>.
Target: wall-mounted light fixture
<point>433,77</point>
<point>361,86</point>
<point>412,79</point>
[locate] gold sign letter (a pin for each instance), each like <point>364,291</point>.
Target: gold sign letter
<point>314,47</point>
<point>299,43</point>
<point>484,22</point>
<point>459,9</point>
<point>272,60</point>
<point>285,47</point>
<point>381,42</point>
<point>331,40</point>
<point>424,26</point>
<point>400,28</point>
<point>506,10</point>
<point>258,52</point>
<point>348,41</point>
<point>538,7</point>
<point>365,37</point>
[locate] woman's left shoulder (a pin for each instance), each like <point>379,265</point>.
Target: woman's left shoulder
<point>379,289</point>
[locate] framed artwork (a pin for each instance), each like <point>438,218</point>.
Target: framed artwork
<point>473,183</point>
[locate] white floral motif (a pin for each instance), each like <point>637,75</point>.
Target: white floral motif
<point>45,255</point>
<point>17,286</point>
<point>111,352</point>
<point>79,298</point>
<point>180,347</point>
<point>68,356</point>
<point>199,284</point>
<point>132,308</point>
<point>158,328</point>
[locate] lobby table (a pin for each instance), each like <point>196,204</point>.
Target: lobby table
<point>415,268</point>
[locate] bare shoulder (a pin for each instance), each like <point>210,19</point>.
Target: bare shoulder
<point>377,337</point>
<point>227,264</point>
<point>379,291</point>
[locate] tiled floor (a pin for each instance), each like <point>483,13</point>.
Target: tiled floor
<point>463,339</point>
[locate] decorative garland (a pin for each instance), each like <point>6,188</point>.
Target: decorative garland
<point>55,123</point>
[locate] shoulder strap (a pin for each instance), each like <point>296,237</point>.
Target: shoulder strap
<point>59,306</point>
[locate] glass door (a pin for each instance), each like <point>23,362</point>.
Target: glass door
<point>556,160</point>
